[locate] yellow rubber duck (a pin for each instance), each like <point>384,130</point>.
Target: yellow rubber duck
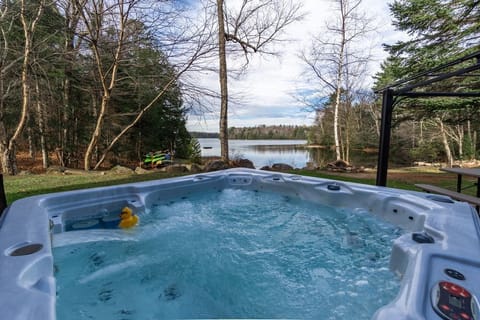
<point>127,218</point>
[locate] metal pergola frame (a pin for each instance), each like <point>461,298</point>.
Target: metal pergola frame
<point>465,66</point>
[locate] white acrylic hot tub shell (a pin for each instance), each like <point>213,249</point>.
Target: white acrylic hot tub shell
<point>28,284</point>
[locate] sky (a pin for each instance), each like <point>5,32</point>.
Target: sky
<point>266,92</point>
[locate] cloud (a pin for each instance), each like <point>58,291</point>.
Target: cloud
<point>265,94</point>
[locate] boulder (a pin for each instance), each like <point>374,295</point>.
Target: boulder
<point>243,163</point>
<point>195,168</point>
<point>55,170</point>
<point>312,166</point>
<point>339,166</point>
<point>216,165</point>
<point>281,167</point>
<point>140,170</point>
<point>69,171</point>
<point>121,170</point>
<point>343,166</point>
<point>176,168</point>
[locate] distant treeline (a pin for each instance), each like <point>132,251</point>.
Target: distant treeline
<point>260,132</point>
<point>199,134</point>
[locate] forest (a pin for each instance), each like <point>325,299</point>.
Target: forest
<point>97,82</point>
<point>441,129</point>
<point>92,82</point>
<point>269,132</point>
<point>260,132</point>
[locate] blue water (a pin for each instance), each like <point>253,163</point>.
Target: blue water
<point>229,254</point>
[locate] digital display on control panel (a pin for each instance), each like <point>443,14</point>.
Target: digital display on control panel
<point>455,301</point>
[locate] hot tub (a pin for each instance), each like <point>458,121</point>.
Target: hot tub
<point>436,258</point>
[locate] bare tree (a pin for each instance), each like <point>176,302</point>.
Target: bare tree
<point>6,65</point>
<point>40,115</point>
<point>251,28</point>
<point>30,14</point>
<point>71,10</point>
<point>201,48</point>
<point>338,58</point>
<point>95,14</point>
<point>181,40</point>
<point>444,137</point>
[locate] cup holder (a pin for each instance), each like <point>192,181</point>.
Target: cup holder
<point>25,249</point>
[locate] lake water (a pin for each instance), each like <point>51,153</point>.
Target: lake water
<point>261,152</point>
<point>292,152</point>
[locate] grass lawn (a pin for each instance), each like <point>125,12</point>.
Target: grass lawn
<point>17,187</point>
<point>404,178</point>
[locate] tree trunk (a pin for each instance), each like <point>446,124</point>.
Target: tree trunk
<point>461,136</point>
<point>338,80</point>
<point>9,164</point>
<point>474,144</point>
<point>223,83</point>
<point>68,136</point>
<point>96,134</point>
<point>9,161</point>
<point>135,121</point>
<point>376,118</point>
<point>31,146</point>
<point>414,123</point>
<point>41,128</point>
<point>445,143</point>
<point>421,131</point>
<point>335,119</point>
<point>107,84</point>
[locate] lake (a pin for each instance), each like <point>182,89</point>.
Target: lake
<point>261,152</point>
<point>292,152</point>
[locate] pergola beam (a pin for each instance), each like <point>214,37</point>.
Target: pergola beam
<point>438,94</point>
<point>394,90</point>
<point>438,78</point>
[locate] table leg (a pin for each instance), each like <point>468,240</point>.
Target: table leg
<point>478,187</point>
<point>478,195</point>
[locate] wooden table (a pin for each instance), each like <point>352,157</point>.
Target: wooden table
<point>460,172</point>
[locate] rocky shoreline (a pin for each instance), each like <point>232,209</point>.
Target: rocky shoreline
<point>208,166</point>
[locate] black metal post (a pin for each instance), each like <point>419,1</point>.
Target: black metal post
<point>3,198</point>
<point>385,132</point>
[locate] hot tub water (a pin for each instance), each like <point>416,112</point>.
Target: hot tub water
<point>229,254</point>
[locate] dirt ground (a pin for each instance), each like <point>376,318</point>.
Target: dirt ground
<point>408,175</point>
<point>25,163</point>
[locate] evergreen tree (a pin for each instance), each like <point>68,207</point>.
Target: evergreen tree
<point>440,31</point>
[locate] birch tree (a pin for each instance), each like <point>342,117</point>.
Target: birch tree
<point>338,58</point>
<point>251,27</point>
<point>29,15</point>
<point>7,64</point>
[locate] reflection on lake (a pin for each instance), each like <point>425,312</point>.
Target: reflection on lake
<point>359,158</point>
<point>292,152</point>
<point>261,152</point>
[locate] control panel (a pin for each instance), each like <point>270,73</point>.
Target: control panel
<point>453,302</point>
